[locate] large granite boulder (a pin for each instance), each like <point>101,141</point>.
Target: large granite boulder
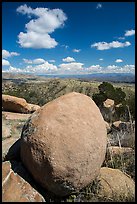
<point>63,144</point>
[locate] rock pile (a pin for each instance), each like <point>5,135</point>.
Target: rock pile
<point>61,149</point>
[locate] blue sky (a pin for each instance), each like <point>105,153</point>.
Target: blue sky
<point>68,37</point>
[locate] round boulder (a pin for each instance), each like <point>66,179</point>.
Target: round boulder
<point>63,144</point>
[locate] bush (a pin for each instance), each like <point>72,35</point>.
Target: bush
<point>119,96</point>
<point>99,98</point>
<point>106,90</point>
<point>121,113</point>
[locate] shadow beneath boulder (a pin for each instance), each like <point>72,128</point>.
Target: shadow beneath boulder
<point>14,152</point>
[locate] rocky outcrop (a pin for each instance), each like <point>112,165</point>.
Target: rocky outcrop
<point>14,104</point>
<point>65,143</point>
<point>15,188</point>
<point>115,185</point>
<point>17,105</point>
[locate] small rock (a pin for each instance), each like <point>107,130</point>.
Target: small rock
<point>108,103</point>
<point>33,107</point>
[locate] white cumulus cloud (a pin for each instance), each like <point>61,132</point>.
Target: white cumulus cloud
<point>68,59</point>
<point>119,60</point>
<point>111,69</point>
<point>42,68</point>
<point>73,66</point>
<point>38,29</point>
<point>94,68</point>
<point>130,32</point>
<point>6,54</point>
<point>76,50</point>
<point>101,59</point>
<point>113,44</point>
<point>17,70</point>
<point>5,62</point>
<point>35,61</point>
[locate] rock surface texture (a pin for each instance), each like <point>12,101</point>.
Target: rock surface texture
<point>65,143</point>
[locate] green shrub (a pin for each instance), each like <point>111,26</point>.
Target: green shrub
<point>106,90</point>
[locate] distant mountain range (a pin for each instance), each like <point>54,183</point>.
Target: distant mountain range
<point>111,77</point>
